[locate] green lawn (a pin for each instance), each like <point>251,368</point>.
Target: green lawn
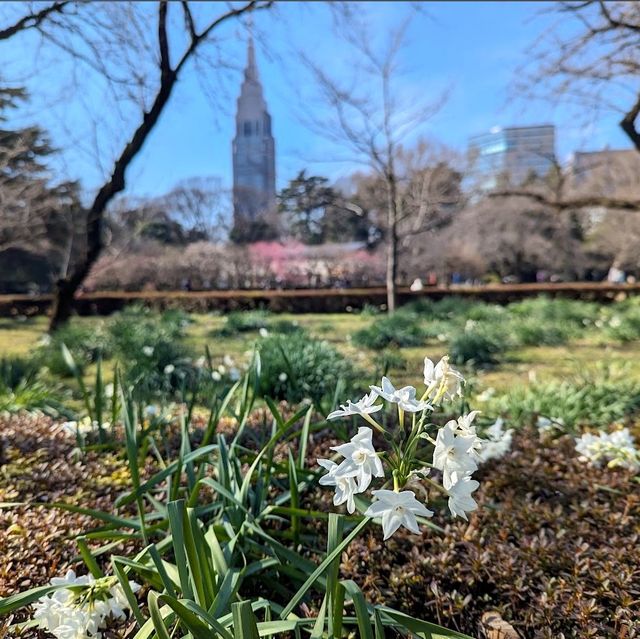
<point>520,366</point>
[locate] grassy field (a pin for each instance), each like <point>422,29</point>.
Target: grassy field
<point>519,366</point>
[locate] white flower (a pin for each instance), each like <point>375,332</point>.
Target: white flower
<point>397,509</point>
<point>460,500</point>
<point>67,614</point>
<point>263,332</point>
<point>84,427</point>
<point>228,360</point>
<point>234,374</point>
<point>345,486</point>
<point>45,340</point>
<point>151,411</point>
<point>147,350</point>
<point>282,377</point>
<point>361,460</point>
<point>486,395</point>
<point>169,368</point>
<point>200,362</point>
<point>546,425</point>
<point>616,449</point>
<point>497,441</point>
<point>364,406</point>
<point>452,454</point>
<point>465,427</point>
<point>215,376</point>
<point>108,391</point>
<point>405,397</point>
<point>442,380</point>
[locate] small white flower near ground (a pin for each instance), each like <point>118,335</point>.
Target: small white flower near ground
<point>397,509</point>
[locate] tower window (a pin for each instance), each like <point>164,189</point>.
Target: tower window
<point>247,129</point>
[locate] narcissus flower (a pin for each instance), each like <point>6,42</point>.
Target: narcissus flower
<point>360,459</point>
<point>405,397</point>
<point>364,406</point>
<point>453,454</point>
<point>397,509</point>
<point>460,500</point>
<point>442,380</point>
<point>497,441</point>
<point>345,486</point>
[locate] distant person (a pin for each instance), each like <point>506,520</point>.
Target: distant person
<point>616,275</point>
<point>416,285</point>
<point>432,279</point>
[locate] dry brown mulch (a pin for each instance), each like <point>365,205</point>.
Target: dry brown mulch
<point>554,547</point>
<point>39,465</point>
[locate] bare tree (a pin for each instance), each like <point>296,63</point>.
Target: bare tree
<point>591,56</point>
<point>140,50</point>
<point>428,194</point>
<point>369,118</point>
<point>202,205</point>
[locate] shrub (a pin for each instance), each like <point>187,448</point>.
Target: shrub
<point>243,322</point>
<point>296,367</point>
<point>400,329</point>
<point>85,342</point>
<point>533,332</point>
<point>594,402</point>
<point>479,346</point>
<point>387,360</point>
<point>624,327</point>
<point>285,327</point>
<point>558,311</point>
<point>21,388</point>
<point>151,351</point>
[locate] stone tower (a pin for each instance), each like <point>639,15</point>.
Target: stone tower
<point>254,173</point>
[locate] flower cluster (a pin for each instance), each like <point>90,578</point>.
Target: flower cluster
<point>81,608</point>
<point>455,451</point>
<point>617,449</point>
<point>83,427</point>
<point>497,441</point>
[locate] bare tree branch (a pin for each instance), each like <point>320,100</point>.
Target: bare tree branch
<point>33,20</point>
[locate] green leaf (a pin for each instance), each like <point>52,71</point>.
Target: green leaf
<point>244,621</point>
<point>88,558</point>
<point>304,438</point>
<point>321,568</point>
<point>360,605</point>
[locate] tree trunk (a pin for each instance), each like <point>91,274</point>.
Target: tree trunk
<point>392,244</point>
<point>63,303</point>
<point>67,287</point>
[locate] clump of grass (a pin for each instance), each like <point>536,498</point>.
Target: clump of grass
<point>532,332</point>
<point>296,367</point>
<point>151,350</point>
<point>590,402</point>
<point>243,322</point>
<point>389,359</point>
<point>477,346</point>
<point>85,341</point>
<point>400,329</point>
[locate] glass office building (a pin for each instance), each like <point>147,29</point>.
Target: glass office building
<point>510,155</point>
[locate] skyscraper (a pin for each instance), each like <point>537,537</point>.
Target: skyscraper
<point>511,155</point>
<point>254,174</point>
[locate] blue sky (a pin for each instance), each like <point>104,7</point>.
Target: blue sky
<point>470,48</point>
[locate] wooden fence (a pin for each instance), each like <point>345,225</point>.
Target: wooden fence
<point>309,300</point>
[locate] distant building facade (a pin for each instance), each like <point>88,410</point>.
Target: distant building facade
<point>254,174</point>
<point>510,155</point>
<point>611,171</point>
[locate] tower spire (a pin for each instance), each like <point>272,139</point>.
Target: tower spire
<point>251,72</point>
